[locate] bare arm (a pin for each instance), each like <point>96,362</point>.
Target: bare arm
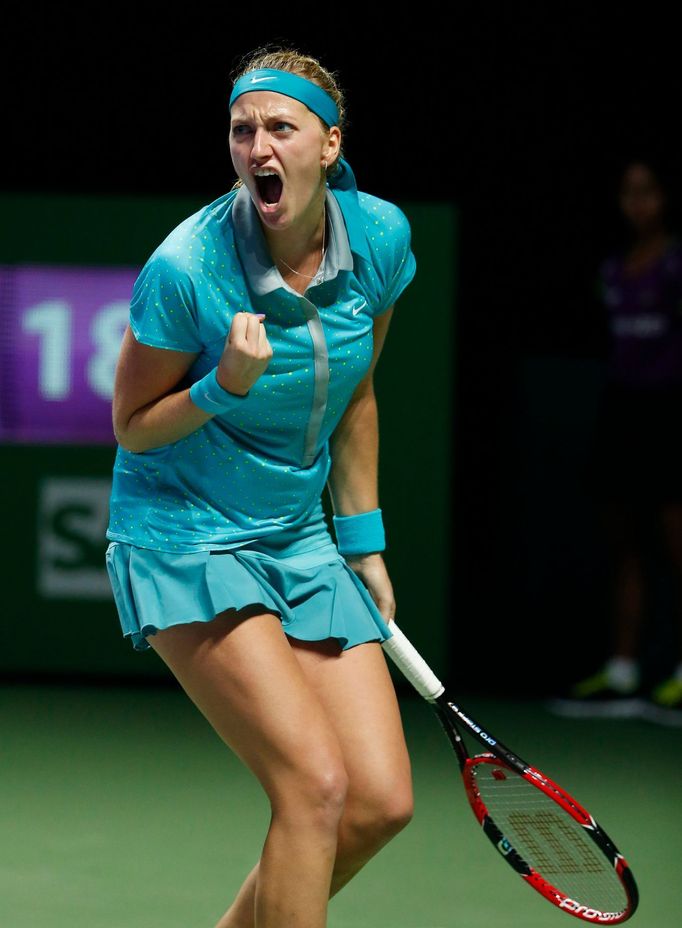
<point>149,411</point>
<point>353,476</point>
<point>354,444</point>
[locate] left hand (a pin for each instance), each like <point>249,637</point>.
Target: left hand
<point>372,571</point>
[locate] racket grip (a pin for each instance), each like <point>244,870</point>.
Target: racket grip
<point>410,663</point>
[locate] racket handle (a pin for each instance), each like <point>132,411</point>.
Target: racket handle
<point>410,663</point>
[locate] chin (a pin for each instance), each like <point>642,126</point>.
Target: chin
<point>274,219</point>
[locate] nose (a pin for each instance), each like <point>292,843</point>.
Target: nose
<point>261,148</point>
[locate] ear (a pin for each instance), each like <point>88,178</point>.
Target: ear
<point>332,145</point>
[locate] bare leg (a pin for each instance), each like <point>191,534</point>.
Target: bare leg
<point>356,690</point>
<point>628,580</point>
<point>628,600</point>
<point>243,676</point>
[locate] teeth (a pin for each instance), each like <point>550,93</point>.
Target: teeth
<point>264,172</point>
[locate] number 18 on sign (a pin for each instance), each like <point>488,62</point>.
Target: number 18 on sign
<point>60,335</point>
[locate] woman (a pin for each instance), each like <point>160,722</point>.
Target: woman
<point>639,472</point>
<point>220,558</point>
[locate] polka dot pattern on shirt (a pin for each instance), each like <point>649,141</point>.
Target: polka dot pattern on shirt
<point>242,475</point>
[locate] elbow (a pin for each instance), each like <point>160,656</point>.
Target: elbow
<point>127,439</point>
<point>128,443</point>
<point>136,440</point>
<point>132,448</point>
<point>121,426</point>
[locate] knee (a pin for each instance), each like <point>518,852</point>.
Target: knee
<point>394,814</point>
<point>327,789</point>
<point>317,795</point>
<point>375,820</point>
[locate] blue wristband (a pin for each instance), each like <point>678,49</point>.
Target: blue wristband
<point>362,533</point>
<point>208,395</point>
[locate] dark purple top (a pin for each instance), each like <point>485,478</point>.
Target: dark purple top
<point>645,320</point>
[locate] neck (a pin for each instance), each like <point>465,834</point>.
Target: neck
<point>301,243</point>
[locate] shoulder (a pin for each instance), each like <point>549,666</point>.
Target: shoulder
<point>383,218</point>
<point>388,235</point>
<point>180,254</point>
<point>392,262</point>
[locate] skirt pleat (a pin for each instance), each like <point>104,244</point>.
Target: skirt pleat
<point>314,592</point>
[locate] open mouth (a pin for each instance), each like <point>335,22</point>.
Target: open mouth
<point>269,188</point>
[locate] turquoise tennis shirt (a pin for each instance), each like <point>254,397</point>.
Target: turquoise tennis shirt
<point>259,468</point>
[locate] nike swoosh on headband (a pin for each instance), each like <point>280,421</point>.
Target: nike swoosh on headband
<point>257,80</point>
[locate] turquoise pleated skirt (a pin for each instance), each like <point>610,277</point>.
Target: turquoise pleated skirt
<point>298,574</point>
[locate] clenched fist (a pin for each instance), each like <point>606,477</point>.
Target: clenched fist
<point>246,354</point>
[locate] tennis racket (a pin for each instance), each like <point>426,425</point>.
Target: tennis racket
<point>551,841</point>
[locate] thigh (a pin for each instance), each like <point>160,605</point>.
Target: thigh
<point>357,692</point>
<point>240,672</point>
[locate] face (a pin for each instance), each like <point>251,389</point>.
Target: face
<point>271,133</point>
<point>641,198</point>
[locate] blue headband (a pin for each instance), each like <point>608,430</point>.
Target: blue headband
<point>291,85</point>
<point>318,100</point>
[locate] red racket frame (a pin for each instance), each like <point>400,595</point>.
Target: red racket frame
<point>551,789</point>
<point>449,714</point>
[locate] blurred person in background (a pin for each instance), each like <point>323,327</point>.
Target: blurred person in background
<point>637,472</point>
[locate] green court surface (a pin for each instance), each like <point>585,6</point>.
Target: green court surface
<point>122,809</point>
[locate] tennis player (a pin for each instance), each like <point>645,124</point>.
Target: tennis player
<point>244,385</point>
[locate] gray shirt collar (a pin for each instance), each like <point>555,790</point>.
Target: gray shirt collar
<point>263,277</point>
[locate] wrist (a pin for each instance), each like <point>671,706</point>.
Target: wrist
<point>360,534</point>
<point>208,394</point>
<point>363,558</point>
<point>219,376</point>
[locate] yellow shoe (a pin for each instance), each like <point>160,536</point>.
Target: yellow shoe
<point>596,697</point>
<point>664,704</point>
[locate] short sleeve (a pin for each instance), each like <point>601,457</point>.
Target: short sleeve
<point>163,308</point>
<point>402,264</point>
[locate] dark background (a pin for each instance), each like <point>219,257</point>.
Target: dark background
<point>521,116</point>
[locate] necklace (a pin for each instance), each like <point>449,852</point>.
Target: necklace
<point>311,276</point>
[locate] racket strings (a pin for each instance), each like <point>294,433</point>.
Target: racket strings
<point>553,843</point>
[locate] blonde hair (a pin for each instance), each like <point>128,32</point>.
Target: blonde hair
<point>289,59</point>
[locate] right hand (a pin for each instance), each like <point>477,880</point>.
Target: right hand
<point>246,354</point>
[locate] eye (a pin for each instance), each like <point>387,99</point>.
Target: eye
<point>282,126</point>
<point>239,130</point>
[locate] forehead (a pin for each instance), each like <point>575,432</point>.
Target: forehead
<point>267,103</point>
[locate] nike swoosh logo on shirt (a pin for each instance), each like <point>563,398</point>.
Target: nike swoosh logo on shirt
<point>257,80</point>
<point>356,309</point>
